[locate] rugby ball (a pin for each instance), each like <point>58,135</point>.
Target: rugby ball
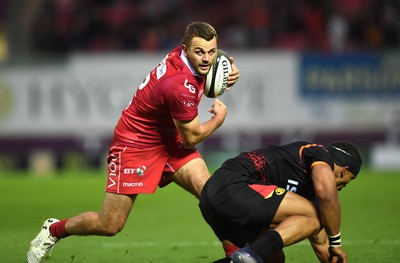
<point>217,77</point>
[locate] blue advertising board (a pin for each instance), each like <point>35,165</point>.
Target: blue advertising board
<point>352,75</point>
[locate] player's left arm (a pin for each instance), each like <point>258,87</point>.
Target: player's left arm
<point>325,188</point>
<point>233,75</point>
<point>193,132</point>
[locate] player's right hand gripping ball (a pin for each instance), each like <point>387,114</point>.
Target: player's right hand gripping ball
<point>217,77</point>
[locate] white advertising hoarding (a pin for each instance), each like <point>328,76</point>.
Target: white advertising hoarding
<point>86,95</point>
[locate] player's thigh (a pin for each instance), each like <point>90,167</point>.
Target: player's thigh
<point>294,204</point>
<point>116,208</point>
<point>192,176</point>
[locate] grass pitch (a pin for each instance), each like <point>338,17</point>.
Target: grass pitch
<point>168,227</point>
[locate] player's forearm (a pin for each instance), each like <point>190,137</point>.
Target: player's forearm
<point>205,130</point>
<point>320,245</point>
<point>330,215</point>
<point>327,196</point>
<point>192,137</point>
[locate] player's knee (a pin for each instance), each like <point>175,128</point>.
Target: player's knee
<point>111,227</point>
<point>191,181</point>
<point>314,224</point>
<point>112,230</point>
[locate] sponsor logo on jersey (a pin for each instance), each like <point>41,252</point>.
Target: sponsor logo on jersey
<point>189,103</point>
<point>112,169</point>
<point>191,88</point>
<point>139,170</point>
<point>162,68</point>
<point>133,184</point>
<point>112,183</point>
<point>279,191</point>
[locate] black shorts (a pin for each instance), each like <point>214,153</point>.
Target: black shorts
<point>236,210</point>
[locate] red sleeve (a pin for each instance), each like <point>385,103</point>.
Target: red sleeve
<point>182,98</point>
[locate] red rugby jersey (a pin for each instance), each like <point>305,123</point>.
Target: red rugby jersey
<point>171,90</point>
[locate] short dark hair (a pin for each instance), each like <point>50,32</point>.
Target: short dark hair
<point>345,154</point>
<point>199,29</point>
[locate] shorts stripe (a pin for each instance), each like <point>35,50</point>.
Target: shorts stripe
<point>265,190</point>
<point>119,170</point>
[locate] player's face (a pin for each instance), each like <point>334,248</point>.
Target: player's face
<point>344,178</point>
<point>201,53</point>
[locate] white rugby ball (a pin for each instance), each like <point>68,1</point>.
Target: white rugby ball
<point>217,77</point>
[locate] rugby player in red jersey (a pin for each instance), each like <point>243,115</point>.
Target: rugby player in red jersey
<point>154,140</point>
<point>263,200</point>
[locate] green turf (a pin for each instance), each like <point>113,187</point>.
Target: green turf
<point>167,227</point>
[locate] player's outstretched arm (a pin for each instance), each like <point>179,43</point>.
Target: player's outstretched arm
<point>329,206</point>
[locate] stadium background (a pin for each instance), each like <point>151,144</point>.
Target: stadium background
<point>315,70</point>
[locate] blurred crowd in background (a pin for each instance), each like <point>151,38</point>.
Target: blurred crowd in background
<point>42,32</point>
<point>62,26</point>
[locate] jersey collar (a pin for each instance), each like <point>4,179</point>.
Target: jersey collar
<point>187,63</point>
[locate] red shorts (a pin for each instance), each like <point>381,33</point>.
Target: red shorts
<point>138,171</point>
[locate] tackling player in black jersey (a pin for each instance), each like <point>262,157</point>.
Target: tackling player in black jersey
<point>266,199</point>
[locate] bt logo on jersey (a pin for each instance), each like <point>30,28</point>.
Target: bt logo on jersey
<point>139,170</point>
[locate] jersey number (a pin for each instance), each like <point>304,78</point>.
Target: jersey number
<point>145,81</point>
<point>292,186</point>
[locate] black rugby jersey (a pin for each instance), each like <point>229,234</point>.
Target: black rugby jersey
<point>288,166</point>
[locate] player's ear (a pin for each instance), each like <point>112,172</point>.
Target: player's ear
<point>345,170</point>
<point>184,49</point>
